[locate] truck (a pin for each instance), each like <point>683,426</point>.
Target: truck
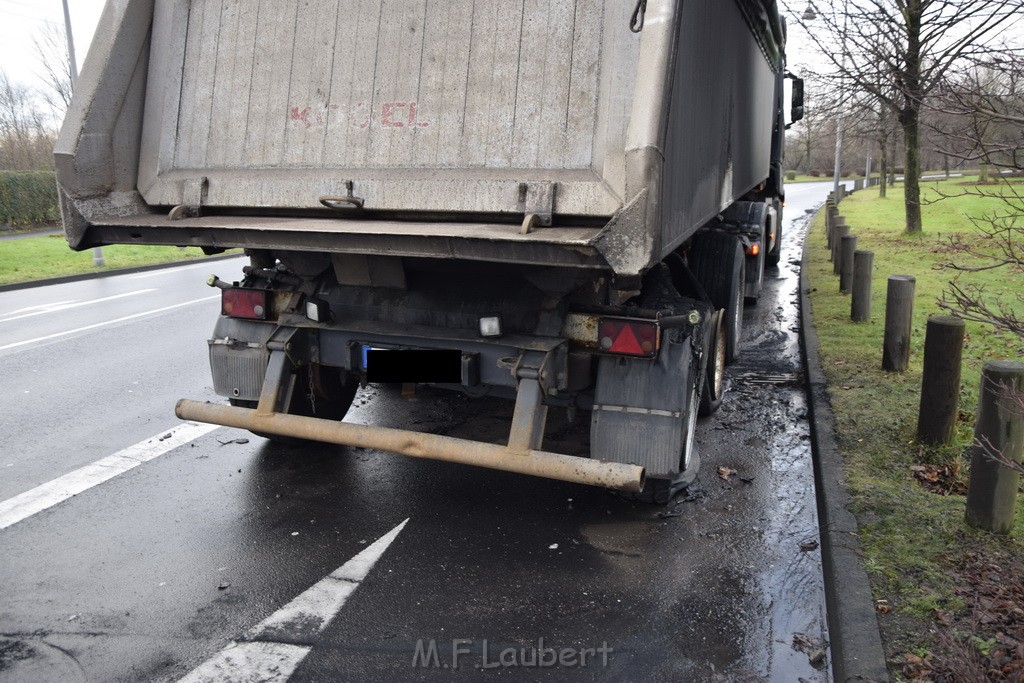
<point>563,203</point>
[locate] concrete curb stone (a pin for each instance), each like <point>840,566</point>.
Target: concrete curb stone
<point>856,643</point>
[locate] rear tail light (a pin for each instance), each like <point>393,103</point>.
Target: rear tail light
<point>628,337</point>
<point>236,302</point>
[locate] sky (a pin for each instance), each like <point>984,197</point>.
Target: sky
<point>21,20</point>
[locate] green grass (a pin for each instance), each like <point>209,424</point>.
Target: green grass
<point>912,538</point>
<point>38,258</point>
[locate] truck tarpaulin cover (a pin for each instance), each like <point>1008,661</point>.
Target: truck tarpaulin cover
<point>766,24</point>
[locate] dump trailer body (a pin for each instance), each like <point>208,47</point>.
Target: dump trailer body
<point>560,202</point>
<point>319,125</point>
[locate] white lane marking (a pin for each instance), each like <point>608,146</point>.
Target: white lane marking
<point>171,271</point>
<point>105,323</point>
<point>24,505</point>
<point>262,657</point>
<point>256,662</point>
<point>33,308</point>
<point>65,305</point>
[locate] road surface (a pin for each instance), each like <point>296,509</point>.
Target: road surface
<point>206,553</point>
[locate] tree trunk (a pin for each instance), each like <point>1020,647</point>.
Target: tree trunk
<point>910,120</point>
<point>808,170</point>
<point>883,165</point>
<point>910,117</point>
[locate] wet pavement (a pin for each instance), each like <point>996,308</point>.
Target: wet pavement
<point>150,574</point>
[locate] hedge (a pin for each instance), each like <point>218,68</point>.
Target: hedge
<point>28,197</point>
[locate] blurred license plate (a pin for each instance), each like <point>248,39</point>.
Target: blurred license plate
<point>438,366</point>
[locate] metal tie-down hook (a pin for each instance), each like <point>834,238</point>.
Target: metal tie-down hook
<point>636,22</point>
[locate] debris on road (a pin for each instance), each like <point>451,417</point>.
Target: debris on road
<point>223,586</point>
<point>808,545</point>
<point>725,473</point>
<point>238,441</point>
<point>813,647</point>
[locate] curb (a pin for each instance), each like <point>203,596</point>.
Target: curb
<point>64,279</point>
<point>856,643</point>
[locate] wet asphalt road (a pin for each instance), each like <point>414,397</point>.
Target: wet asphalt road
<point>149,574</point>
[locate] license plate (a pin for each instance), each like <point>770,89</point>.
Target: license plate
<point>419,366</point>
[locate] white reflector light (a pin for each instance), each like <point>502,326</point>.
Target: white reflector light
<point>318,311</point>
<point>490,326</point>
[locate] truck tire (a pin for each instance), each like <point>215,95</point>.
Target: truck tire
<point>332,403</point>
<point>775,254</point>
<point>718,262</point>
<point>714,373</point>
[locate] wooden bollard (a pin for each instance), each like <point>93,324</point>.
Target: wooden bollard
<point>841,231</point>
<point>940,383</point>
<point>998,435</point>
<point>831,240</point>
<point>899,314</point>
<point>860,296</point>
<point>847,247</point>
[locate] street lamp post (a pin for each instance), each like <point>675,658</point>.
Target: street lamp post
<point>839,146</point>
<point>810,15</point>
<point>97,252</point>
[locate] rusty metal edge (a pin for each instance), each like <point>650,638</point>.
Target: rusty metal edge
<point>575,469</point>
<point>855,639</point>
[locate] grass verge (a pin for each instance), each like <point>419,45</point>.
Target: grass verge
<point>39,258</point>
<point>934,578</point>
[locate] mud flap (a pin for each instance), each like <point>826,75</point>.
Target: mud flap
<point>641,409</point>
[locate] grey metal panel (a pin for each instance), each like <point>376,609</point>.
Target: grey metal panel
<point>569,247</point>
<point>100,136</point>
<point>267,101</point>
<point>654,440</point>
<point>722,83</point>
<point>301,87</point>
<point>239,357</point>
<point>238,372</point>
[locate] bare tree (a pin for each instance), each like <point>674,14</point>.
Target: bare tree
<point>899,51</point>
<point>26,138</point>
<point>51,48</point>
<point>983,106</point>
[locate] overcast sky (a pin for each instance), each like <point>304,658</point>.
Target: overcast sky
<point>21,20</point>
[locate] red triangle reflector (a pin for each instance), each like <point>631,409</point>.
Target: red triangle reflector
<point>627,342</point>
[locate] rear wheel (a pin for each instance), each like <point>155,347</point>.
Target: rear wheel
<point>319,391</point>
<point>775,254</point>
<point>718,263</point>
<point>714,373</point>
